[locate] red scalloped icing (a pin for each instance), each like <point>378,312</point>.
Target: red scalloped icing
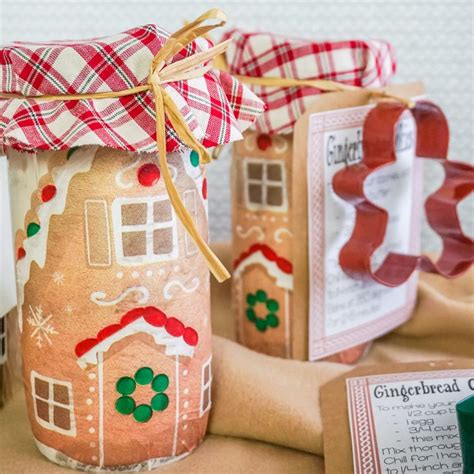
<point>153,316</point>
<point>284,265</point>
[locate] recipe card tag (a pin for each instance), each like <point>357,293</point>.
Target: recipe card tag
<point>344,312</point>
<point>395,418</point>
<point>404,423</point>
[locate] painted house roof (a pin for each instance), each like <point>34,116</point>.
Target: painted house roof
<point>278,267</point>
<point>169,331</point>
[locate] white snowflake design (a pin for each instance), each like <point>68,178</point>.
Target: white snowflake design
<point>43,328</point>
<point>58,278</point>
<point>69,310</point>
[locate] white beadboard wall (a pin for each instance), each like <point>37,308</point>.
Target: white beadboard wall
<point>433,40</point>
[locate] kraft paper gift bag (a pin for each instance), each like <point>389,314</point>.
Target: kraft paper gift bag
<point>113,289</point>
<point>292,297</point>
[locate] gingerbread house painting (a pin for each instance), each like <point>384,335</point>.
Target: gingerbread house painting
<point>263,294</point>
<point>263,273</point>
<point>114,307</point>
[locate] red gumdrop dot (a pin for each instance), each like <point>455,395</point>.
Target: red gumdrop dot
<point>154,316</point>
<point>190,336</point>
<point>108,331</point>
<point>264,141</point>
<point>85,346</point>
<point>204,188</point>
<point>285,266</point>
<point>269,253</point>
<point>174,327</point>
<point>148,174</point>
<point>48,192</point>
<point>20,253</point>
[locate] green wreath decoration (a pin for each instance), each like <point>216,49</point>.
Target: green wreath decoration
<point>126,386</point>
<point>271,319</point>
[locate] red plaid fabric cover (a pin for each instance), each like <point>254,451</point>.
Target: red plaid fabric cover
<point>216,106</point>
<point>358,63</point>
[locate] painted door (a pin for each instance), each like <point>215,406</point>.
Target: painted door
<point>264,324</point>
<point>139,402</point>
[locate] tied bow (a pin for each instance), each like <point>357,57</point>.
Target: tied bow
<point>160,73</point>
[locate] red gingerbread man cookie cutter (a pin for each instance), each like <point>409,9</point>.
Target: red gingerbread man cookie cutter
<point>432,137</point>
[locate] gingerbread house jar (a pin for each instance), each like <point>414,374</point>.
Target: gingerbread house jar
<point>271,312</point>
<point>113,293</point>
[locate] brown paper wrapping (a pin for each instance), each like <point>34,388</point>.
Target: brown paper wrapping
<point>113,307</point>
<point>270,233</point>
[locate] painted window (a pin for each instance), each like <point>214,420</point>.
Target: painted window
<point>3,339</point>
<point>189,198</point>
<point>53,404</point>
<point>145,230</point>
<point>206,387</point>
<point>265,184</point>
<point>96,219</point>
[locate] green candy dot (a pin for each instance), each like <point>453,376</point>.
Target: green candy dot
<point>194,158</point>
<point>125,385</point>
<point>261,296</point>
<point>32,229</point>
<point>261,325</point>
<point>272,320</point>
<point>144,375</point>
<point>142,413</point>
<point>272,305</point>
<point>160,383</point>
<point>160,402</point>
<point>251,316</point>
<point>125,405</point>
<point>251,299</point>
<point>71,151</point>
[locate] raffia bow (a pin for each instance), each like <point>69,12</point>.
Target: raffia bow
<point>160,73</point>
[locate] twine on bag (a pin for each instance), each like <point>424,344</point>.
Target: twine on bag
<point>321,84</point>
<point>160,73</point>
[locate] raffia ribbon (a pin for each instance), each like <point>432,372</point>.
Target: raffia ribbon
<point>161,73</point>
<point>321,84</point>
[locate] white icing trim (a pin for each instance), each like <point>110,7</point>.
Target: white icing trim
<point>93,225</point>
<point>36,246</point>
<point>176,424</point>
<point>205,386</point>
<point>244,233</point>
<point>118,176</point>
<point>60,458</point>
<point>277,235</point>
<point>250,141</point>
<point>51,402</point>
<point>190,289</point>
<point>287,324</point>
<point>174,345</point>
<point>100,369</point>
<point>190,202</point>
<point>149,227</point>
<point>280,144</point>
<point>98,297</point>
<point>283,280</point>
<point>196,174</point>
<point>265,183</point>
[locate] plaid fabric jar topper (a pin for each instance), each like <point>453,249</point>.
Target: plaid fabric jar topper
<point>140,91</point>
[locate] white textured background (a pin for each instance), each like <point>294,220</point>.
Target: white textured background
<point>433,41</point>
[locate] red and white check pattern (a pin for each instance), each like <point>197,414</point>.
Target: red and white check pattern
<point>358,63</point>
<point>216,107</point>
